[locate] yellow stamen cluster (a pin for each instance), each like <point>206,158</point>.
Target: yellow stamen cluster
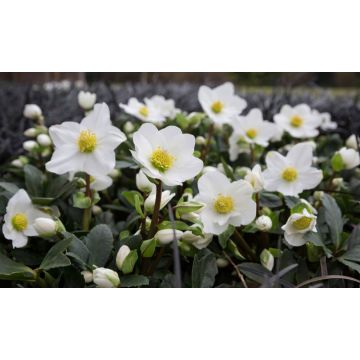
<point>224,204</point>
<point>217,107</point>
<point>161,159</point>
<point>302,223</point>
<point>251,133</point>
<point>87,141</point>
<point>144,111</point>
<point>290,174</point>
<point>296,121</point>
<point>19,222</point>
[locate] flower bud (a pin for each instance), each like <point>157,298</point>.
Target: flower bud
<point>267,259</point>
<point>350,158</point>
<point>149,203</point>
<point>30,145</point>
<point>86,100</point>
<point>88,276</point>
<point>351,142</point>
<point>220,167</point>
<point>143,183</point>
<point>166,236</point>
<point>106,278</point>
<point>44,140</point>
<point>222,263</point>
<point>263,223</point>
<point>242,171</point>
<point>115,173</point>
<point>200,140</point>
<point>338,182</point>
<point>123,252</point>
<point>31,132</point>
<point>45,227</point>
<point>32,111</point>
<point>96,210</point>
<point>318,195</point>
<point>17,163</point>
<point>129,127</point>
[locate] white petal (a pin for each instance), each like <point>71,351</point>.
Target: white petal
<point>310,178</point>
<point>98,120</point>
<point>295,239</point>
<point>66,133</point>
<point>300,155</point>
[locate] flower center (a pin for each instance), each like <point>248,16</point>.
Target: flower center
<point>302,223</point>
<point>87,141</point>
<point>296,121</point>
<point>161,159</point>
<point>224,204</point>
<point>144,111</point>
<point>251,133</point>
<point>19,222</point>
<point>217,107</point>
<point>290,174</point>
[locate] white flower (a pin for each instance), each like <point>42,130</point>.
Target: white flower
<point>19,219</point>
<point>149,203</point>
<point>143,111</point>
<point>45,227</point>
<point>297,226</point>
<point>123,252</point>
<point>32,111</point>
<point>86,100</point>
<point>292,174</point>
<point>143,183</point>
<point>30,145</point>
<point>88,276</point>
<point>31,132</point>
<point>198,241</point>
<point>255,178</point>
<point>253,129</point>
<point>165,107</point>
<point>106,278</point>
<point>225,203</point>
<point>352,143</point>
<point>166,154</point>
<point>166,236</point>
<point>326,123</point>
<point>88,146</point>
<point>221,104</point>
<point>299,121</point>
<point>263,223</point>
<point>43,140</point>
<point>350,157</point>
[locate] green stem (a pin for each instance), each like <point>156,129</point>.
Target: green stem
<point>205,149</point>
<point>241,241</point>
<point>155,217</point>
<point>87,212</point>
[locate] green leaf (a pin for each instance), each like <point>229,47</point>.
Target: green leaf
<point>134,281</point>
<point>179,225</point>
<point>187,207</point>
<point>11,270</point>
<point>204,269</point>
<point>352,265</point>
<point>291,201</point>
<point>10,187</point>
<point>99,241</point>
<point>55,257</point>
<point>225,236</point>
<point>34,180</point>
<point>148,247</point>
<point>270,200</point>
<point>79,249</point>
<point>333,219</point>
<point>228,171</point>
<point>337,162</point>
<point>138,206</point>
<point>81,201</point>
<point>354,238</point>
<point>129,262</point>
<point>315,238</point>
<point>352,255</point>
<point>130,196</point>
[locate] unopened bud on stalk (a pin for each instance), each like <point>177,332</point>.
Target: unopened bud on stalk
<point>222,263</point>
<point>96,210</point>
<point>123,252</point>
<point>31,132</point>
<point>86,100</point>
<point>44,140</point>
<point>88,276</point>
<point>30,145</point>
<point>47,227</point>
<point>129,127</point>
<point>200,140</point>
<point>264,223</point>
<point>166,236</point>
<point>106,278</point>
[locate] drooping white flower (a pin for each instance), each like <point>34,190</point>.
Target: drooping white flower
<point>326,123</point>
<point>297,225</point>
<point>166,236</point>
<point>44,140</point>
<point>86,100</point>
<point>143,183</point>
<point>352,143</point>
<point>32,111</point>
<point>292,174</point>
<point>166,154</point>
<point>263,223</point>
<point>166,107</point>
<point>86,147</point>
<point>225,203</point>
<point>255,178</point>
<point>299,121</point>
<point>123,252</point>
<point>19,219</point>
<point>252,129</point>
<point>147,111</point>
<point>221,104</point>
<point>149,203</point>
<point>106,278</point>
<point>350,158</point>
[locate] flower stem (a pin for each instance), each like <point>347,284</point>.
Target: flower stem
<point>241,241</point>
<point>87,212</point>
<point>205,149</point>
<point>155,217</point>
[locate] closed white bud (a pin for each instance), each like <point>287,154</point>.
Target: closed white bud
<point>350,158</point>
<point>115,173</point>
<point>32,111</point>
<point>149,203</point>
<point>106,278</point>
<point>123,252</point>
<point>143,183</point>
<point>30,145</point>
<point>45,227</point>
<point>129,127</point>
<point>17,163</point>
<point>88,276</point>
<point>166,236</point>
<point>351,142</point>
<point>43,140</point>
<point>86,100</point>
<point>208,169</point>
<point>318,195</point>
<point>222,263</point>
<point>96,210</point>
<point>31,132</point>
<point>263,223</point>
<point>267,259</point>
<point>220,168</point>
<point>338,182</point>
<point>200,140</point>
